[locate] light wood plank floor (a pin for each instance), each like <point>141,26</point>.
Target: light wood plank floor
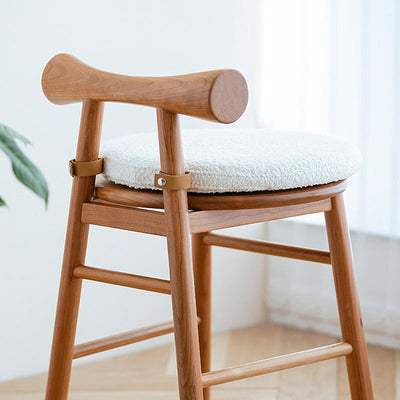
<point>151,374</point>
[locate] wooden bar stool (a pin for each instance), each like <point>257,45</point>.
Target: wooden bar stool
<point>229,178</point>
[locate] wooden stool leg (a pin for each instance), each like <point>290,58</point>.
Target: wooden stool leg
<point>74,255</point>
<point>180,262</point>
<point>66,317</point>
<point>202,276</point>
<point>348,302</point>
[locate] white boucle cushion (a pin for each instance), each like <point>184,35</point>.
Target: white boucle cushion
<point>235,160</point>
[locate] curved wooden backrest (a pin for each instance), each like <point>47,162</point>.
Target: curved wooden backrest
<point>214,95</point>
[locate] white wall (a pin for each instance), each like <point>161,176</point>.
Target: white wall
<point>133,37</point>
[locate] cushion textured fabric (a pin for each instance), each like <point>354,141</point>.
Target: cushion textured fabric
<point>235,160</point>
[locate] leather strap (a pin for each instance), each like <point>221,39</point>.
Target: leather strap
<point>85,168</point>
<point>173,182</point>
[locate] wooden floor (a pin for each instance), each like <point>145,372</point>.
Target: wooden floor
<point>151,374</point>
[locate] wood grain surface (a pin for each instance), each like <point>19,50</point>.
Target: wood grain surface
<point>219,95</point>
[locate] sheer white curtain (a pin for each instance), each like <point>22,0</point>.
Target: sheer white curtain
<point>333,67</point>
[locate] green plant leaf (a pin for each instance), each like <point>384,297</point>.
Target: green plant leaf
<point>11,134</point>
<point>2,203</point>
<point>24,169</point>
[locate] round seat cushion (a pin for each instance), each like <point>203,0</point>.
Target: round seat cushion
<point>235,160</point>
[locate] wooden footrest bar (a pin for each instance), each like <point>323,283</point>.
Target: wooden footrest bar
<point>276,364</point>
<point>273,249</point>
<point>122,339</point>
<point>123,279</point>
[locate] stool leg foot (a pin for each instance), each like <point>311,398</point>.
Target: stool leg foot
<point>348,302</point>
<point>202,274</point>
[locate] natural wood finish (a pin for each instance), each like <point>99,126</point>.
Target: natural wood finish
<point>154,222</point>
<point>74,254</point>
<point>219,96</point>
<point>204,221</point>
<point>201,252</point>
<point>220,344</point>
<point>122,339</point>
<point>120,194</point>
<point>123,279</point>
<point>127,218</point>
<point>348,303</point>
<point>273,249</point>
<point>256,343</point>
<point>180,265</point>
<point>214,95</point>
<point>276,364</point>
<point>314,381</point>
<point>149,374</point>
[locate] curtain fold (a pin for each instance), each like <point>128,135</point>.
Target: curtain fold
<point>333,67</point>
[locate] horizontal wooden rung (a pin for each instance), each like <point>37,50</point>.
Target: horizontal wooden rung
<point>123,279</point>
<point>122,339</point>
<point>276,364</point>
<point>272,249</point>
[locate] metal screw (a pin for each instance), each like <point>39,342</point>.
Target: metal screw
<point>161,181</point>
